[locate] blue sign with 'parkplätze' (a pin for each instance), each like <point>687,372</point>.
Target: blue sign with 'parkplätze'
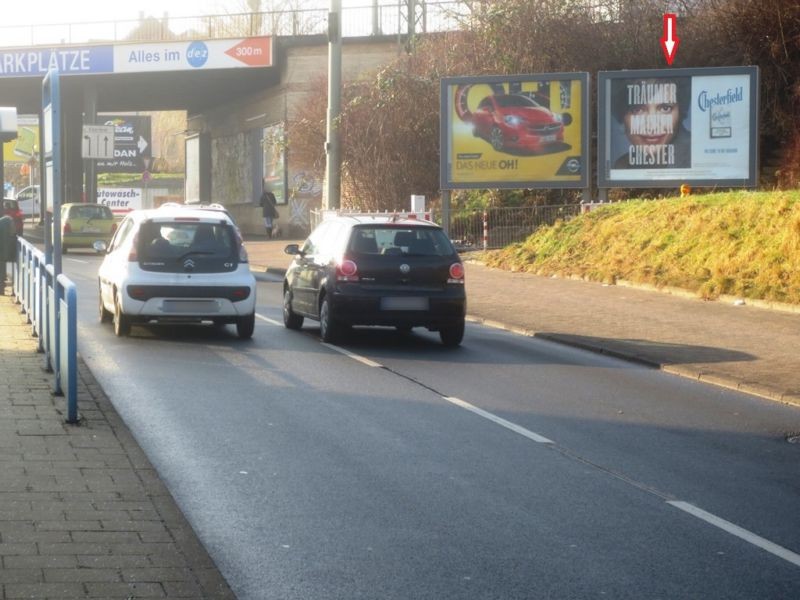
<point>67,61</point>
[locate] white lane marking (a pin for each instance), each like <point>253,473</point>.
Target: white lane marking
<point>268,320</point>
<point>83,262</point>
<point>499,420</point>
<point>739,532</point>
<point>363,360</point>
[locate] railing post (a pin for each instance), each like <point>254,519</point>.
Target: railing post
<point>485,229</point>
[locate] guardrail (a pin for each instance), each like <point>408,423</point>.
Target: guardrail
<point>376,18</point>
<point>51,306</point>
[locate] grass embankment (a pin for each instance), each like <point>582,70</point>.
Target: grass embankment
<point>745,244</point>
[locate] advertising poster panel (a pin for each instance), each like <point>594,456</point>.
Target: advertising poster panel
<point>132,135</point>
<point>663,128</point>
<point>26,145</point>
<point>520,131</point>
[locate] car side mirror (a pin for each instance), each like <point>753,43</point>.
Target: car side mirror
<point>99,246</point>
<point>293,249</point>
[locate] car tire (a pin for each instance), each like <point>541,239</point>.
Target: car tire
<point>290,319</point>
<point>329,329</point>
<point>496,139</point>
<point>122,322</point>
<point>105,315</point>
<point>245,326</point>
<point>452,336</point>
<point>64,249</point>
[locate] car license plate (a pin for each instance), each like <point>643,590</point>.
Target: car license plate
<point>548,138</point>
<point>171,307</point>
<point>404,303</point>
<point>91,230</point>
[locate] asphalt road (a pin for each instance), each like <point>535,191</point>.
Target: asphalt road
<point>391,467</point>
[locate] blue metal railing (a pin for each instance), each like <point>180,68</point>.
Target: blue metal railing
<point>51,305</point>
<point>376,18</point>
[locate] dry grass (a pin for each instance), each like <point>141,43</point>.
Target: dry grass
<point>745,244</point>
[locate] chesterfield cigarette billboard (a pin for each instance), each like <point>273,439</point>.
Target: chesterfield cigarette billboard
<point>520,131</point>
<point>662,128</point>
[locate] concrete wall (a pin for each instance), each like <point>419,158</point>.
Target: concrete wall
<point>234,131</point>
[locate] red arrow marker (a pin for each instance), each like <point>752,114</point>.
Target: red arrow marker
<point>254,52</point>
<point>670,41</point>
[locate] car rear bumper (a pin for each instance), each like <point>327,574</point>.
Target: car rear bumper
<point>188,308</point>
<point>83,240</point>
<point>175,300</point>
<point>440,310</point>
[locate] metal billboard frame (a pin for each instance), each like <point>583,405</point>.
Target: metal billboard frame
<point>446,178</point>
<point>674,177</point>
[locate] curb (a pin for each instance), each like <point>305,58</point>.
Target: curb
<point>789,397</point>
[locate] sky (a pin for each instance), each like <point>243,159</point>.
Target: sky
<point>42,12</point>
<point>47,22</point>
<point>39,12</point>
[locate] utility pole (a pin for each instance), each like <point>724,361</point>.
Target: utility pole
<point>333,163</point>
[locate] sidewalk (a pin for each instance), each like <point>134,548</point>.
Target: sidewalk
<point>754,350</point>
<point>83,514</point>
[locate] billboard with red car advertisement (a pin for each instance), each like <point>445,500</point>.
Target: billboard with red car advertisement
<point>663,128</point>
<point>519,131</point>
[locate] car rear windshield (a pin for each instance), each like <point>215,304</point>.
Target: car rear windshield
<point>90,212</point>
<point>165,240</point>
<point>405,241</point>
<point>10,205</point>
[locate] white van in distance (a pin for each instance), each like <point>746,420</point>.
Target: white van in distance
<point>29,201</point>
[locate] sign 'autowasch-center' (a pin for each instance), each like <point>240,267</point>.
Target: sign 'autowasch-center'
<point>138,58</point>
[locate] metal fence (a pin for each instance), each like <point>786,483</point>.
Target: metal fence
<point>484,229</point>
<point>375,18</point>
<point>497,227</point>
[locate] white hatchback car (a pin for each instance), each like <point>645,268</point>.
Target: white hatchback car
<point>176,265</point>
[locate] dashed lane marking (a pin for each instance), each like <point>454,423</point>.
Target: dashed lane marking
<point>741,533</point>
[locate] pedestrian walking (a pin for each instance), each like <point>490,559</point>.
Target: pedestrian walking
<point>268,209</point>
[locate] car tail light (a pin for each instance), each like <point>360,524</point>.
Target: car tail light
<point>132,255</point>
<point>456,273</point>
<point>113,228</point>
<point>240,293</point>
<point>67,228</point>
<point>17,214</point>
<point>137,292</point>
<point>346,270</point>
<point>243,258</point>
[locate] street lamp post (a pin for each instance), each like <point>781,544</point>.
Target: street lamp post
<point>333,162</point>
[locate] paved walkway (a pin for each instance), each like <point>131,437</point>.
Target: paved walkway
<point>84,514</point>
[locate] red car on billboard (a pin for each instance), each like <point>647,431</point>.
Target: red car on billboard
<point>516,122</point>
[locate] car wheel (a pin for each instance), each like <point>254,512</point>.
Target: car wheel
<point>452,336</point>
<point>496,139</point>
<point>122,322</point>
<point>329,329</point>
<point>105,315</point>
<point>290,319</point>
<point>64,249</point>
<point>245,326</point>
